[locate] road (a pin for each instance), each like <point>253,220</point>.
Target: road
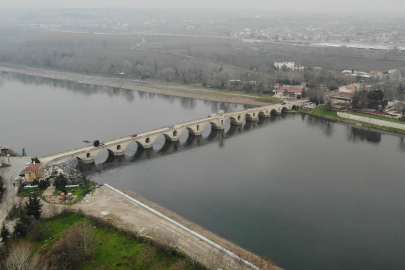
<point>9,174</point>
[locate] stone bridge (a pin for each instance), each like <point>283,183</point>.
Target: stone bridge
<point>145,139</point>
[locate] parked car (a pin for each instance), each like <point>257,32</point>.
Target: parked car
<point>133,136</point>
<point>20,177</point>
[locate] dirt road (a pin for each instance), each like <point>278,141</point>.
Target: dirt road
<point>9,174</point>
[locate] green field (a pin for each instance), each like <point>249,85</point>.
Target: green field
<point>116,249</point>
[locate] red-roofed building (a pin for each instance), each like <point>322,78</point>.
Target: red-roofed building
<point>377,74</point>
<point>296,90</point>
<point>32,171</point>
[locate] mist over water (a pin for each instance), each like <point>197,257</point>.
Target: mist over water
<point>308,192</point>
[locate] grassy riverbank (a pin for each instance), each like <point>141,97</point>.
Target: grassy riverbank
<point>110,247</point>
<point>331,114</point>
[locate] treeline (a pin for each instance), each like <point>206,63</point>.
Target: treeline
<point>82,40</point>
<point>189,60</point>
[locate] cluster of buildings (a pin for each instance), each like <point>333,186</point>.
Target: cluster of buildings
<point>333,32</point>
<point>291,66</point>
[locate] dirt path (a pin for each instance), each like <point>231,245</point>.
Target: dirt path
<point>139,85</point>
<point>106,203</point>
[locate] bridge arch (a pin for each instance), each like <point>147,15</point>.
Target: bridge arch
<point>284,109</point>
<point>294,107</point>
<point>273,111</point>
<point>102,155</point>
<point>131,148</point>
<point>160,141</point>
<point>264,113</point>
<point>237,119</point>
<point>251,116</point>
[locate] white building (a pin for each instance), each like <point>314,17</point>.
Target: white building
<point>279,65</point>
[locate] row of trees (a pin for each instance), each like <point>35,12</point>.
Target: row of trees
<point>373,100</point>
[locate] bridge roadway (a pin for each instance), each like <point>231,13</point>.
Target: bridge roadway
<point>145,139</point>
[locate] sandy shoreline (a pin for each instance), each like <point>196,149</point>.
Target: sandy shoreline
<point>139,85</point>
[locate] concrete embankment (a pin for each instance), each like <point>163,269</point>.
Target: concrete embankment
<point>372,120</point>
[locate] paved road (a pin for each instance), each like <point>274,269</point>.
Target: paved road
<point>9,174</point>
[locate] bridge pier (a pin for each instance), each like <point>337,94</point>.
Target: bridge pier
<point>172,139</point>
<point>88,161</point>
<point>251,119</point>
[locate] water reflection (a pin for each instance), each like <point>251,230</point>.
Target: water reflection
<point>402,144</point>
<point>360,134</point>
<point>326,125</point>
<point>129,95</point>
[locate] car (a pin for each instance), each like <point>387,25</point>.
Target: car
<point>283,103</point>
<point>133,136</point>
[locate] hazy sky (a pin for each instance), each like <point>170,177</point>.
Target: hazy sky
<point>283,5</point>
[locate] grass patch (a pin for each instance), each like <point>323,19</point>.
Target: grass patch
<point>26,192</point>
<point>117,249</point>
<point>5,166</point>
<point>331,114</point>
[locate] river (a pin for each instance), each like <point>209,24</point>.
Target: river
<point>308,192</point>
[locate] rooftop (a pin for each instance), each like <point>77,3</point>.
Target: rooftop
<point>32,168</point>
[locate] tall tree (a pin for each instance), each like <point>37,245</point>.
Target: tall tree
<point>376,98</point>
<point>4,234</point>
<point>33,206</point>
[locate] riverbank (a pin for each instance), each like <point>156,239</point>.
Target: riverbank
<point>104,202</point>
<point>172,89</point>
<point>332,115</point>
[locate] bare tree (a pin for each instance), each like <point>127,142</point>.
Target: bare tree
<point>85,240</point>
<point>21,257</point>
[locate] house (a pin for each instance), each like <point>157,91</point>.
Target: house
<point>32,171</point>
<point>346,96</point>
<point>290,65</point>
<point>234,82</point>
<point>351,88</point>
<point>295,90</point>
<point>4,150</point>
<point>376,74</point>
